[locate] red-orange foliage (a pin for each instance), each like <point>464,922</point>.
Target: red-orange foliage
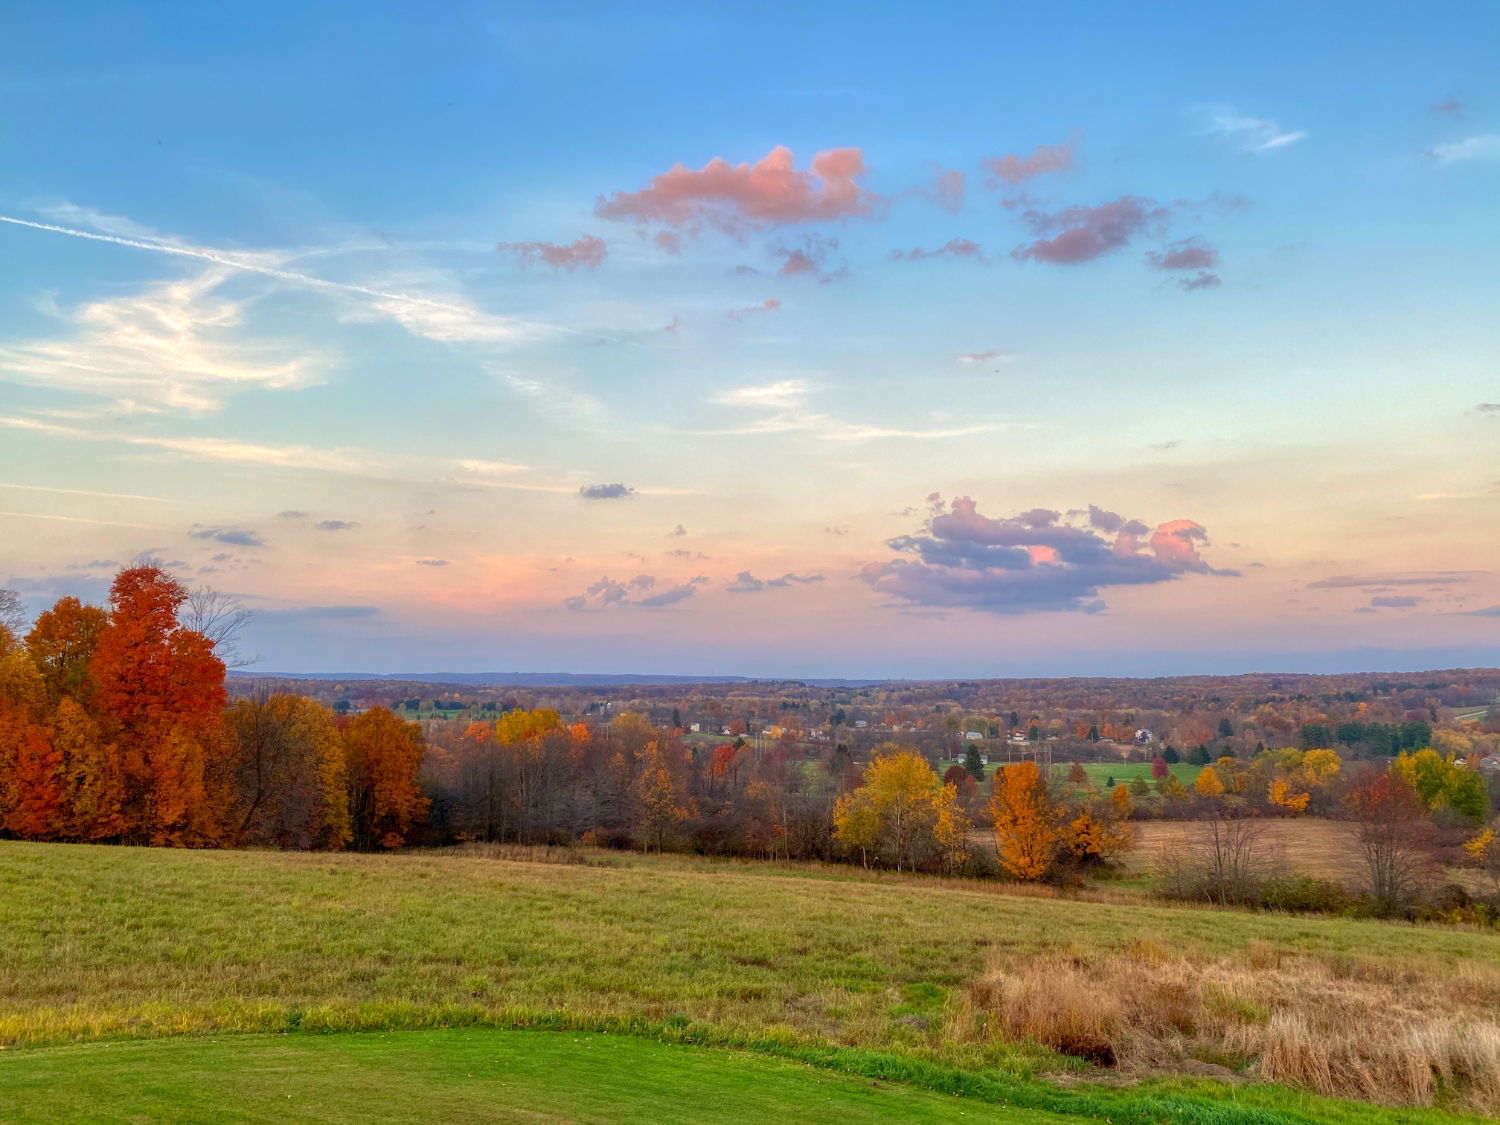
<point>30,767</point>
<point>159,693</point>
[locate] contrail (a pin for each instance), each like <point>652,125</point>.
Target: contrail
<point>232,263</point>
<point>88,492</point>
<point>80,519</point>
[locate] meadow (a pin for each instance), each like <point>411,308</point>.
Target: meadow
<point>1099,773</point>
<point>882,977</point>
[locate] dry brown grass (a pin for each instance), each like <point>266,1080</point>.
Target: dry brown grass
<point>1344,1026</point>
<point>1324,849</point>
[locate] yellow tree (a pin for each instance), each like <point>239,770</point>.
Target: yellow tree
<point>661,798</point>
<point>896,812</point>
<point>1208,783</point>
<point>856,823</point>
<point>951,827</point>
<point>1284,795</point>
<point>93,782</point>
<point>1096,835</point>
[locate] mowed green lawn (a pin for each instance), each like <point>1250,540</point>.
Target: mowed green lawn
<point>1099,772</point>
<point>453,1077</point>
<point>853,971</point>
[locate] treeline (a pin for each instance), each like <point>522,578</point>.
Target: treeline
<point>114,728</point>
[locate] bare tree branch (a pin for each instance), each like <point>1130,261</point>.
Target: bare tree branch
<point>13,614</point>
<point>220,617</point>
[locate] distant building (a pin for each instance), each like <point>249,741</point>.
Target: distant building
<point>972,735</point>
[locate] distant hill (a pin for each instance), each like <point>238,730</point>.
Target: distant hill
<point>546,679</point>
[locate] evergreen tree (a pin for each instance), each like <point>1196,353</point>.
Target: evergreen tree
<point>974,763</point>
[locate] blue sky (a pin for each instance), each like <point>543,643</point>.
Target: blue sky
<point>354,311</point>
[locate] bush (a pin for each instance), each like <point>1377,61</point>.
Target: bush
<point>1303,893</point>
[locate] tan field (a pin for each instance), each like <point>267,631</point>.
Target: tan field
<point>1314,846</point>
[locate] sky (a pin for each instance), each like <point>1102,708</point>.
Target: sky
<point>952,340</point>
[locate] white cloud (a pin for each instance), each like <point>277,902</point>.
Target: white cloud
<point>186,314</point>
<point>1484,147</point>
<point>788,404</point>
<point>173,347</point>
<point>1252,134</point>
<point>370,463</point>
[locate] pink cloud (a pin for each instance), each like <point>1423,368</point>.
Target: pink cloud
<point>953,248</point>
<point>797,263</point>
<point>588,252</point>
<point>947,190</point>
<point>672,325</point>
<point>1204,280</point>
<point>669,240</point>
<point>1014,169</point>
<point>736,197</point>
<point>770,304</point>
<point>1447,105</point>
<point>1086,233</point>
<point>1189,254</point>
<point>1175,544</point>
<point>807,260</point>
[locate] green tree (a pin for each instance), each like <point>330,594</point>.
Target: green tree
<point>974,762</point>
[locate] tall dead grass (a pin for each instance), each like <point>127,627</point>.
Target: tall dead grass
<point>1338,1026</point>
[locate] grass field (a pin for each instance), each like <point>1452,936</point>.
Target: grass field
<point>454,1077</point>
<point>1100,772</point>
<point>857,972</point>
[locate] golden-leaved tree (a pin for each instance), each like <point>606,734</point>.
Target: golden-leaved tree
<point>1028,828</point>
<point>903,814</point>
<point>382,757</point>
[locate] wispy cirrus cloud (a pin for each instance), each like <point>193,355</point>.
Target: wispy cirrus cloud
<point>1250,134</point>
<point>787,403</point>
<point>1400,578</point>
<point>441,317</point>
<point>175,346</point>
<point>1483,147</point>
<point>369,463</point>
